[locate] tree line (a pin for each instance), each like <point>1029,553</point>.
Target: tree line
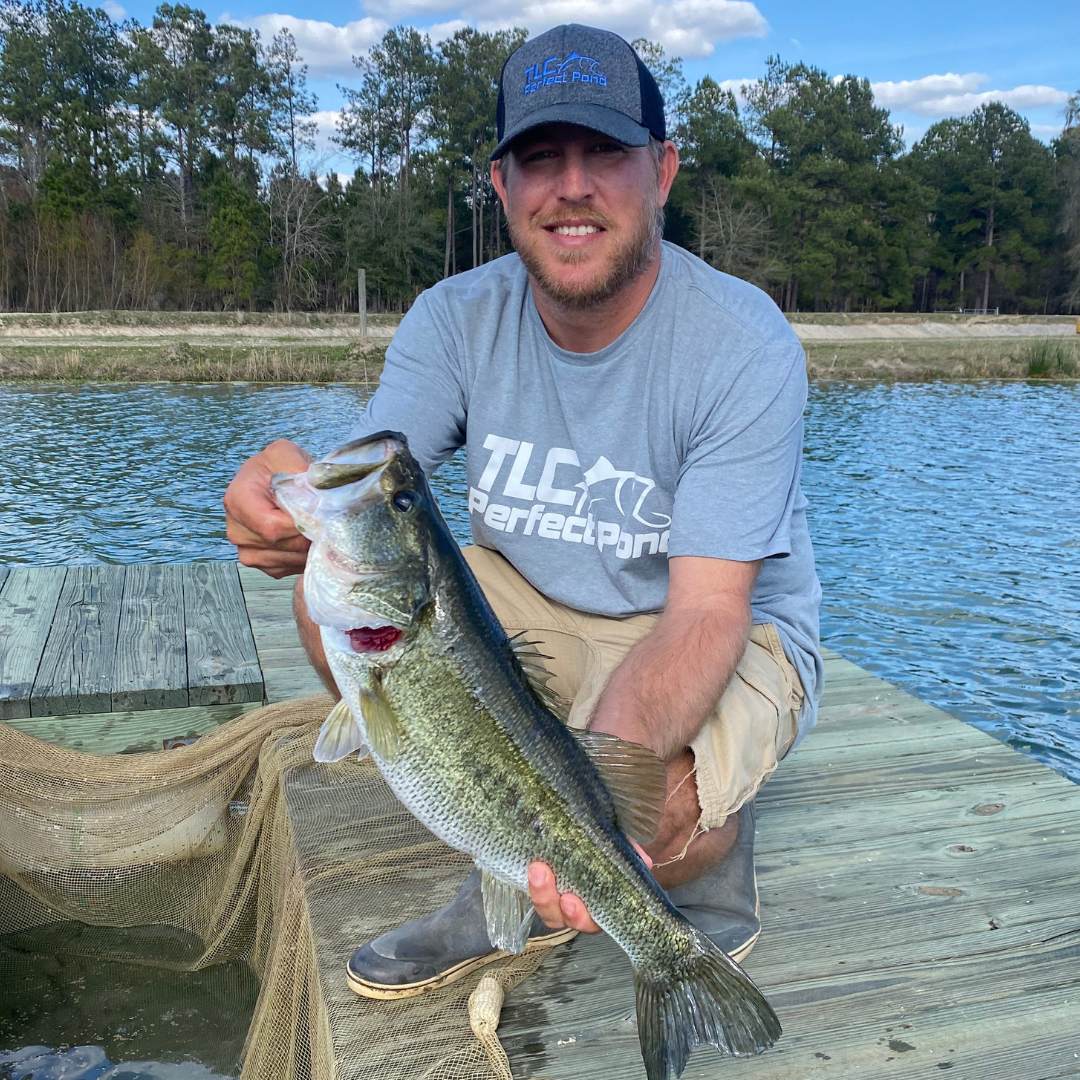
<point>173,166</point>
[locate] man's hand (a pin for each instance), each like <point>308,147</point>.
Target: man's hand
<point>563,909</point>
<point>264,534</point>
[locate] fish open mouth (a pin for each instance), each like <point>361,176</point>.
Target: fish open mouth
<point>324,501</point>
<point>373,638</point>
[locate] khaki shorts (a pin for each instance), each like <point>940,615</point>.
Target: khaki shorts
<point>753,726</point>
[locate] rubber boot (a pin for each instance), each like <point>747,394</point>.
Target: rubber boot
<point>448,944</point>
<point>436,949</point>
<point>724,901</point>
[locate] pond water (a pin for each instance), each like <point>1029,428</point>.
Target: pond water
<point>75,1004</point>
<point>946,522</point>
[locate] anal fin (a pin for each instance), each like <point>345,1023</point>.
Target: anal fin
<point>509,913</point>
<point>634,776</point>
<point>340,735</point>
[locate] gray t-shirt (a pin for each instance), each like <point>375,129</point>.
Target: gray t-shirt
<point>587,470</point>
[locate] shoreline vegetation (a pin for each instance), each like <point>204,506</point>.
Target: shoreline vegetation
<point>955,360</point>
<point>208,347</point>
<point>187,363</point>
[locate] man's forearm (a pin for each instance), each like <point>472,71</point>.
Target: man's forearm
<point>669,683</point>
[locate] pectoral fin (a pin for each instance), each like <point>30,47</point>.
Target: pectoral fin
<point>636,779</point>
<point>339,735</point>
<point>509,913</point>
<point>380,721</point>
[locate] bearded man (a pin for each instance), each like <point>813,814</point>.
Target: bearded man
<point>633,423</point>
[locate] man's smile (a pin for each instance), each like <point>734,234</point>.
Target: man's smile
<point>574,234</point>
<point>574,230</point>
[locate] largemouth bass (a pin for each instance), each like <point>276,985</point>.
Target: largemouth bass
<point>468,739</point>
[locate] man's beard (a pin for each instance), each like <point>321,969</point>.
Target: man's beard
<point>629,260</point>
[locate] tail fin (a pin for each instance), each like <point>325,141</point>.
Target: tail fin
<point>710,1000</point>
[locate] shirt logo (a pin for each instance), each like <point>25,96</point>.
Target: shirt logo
<point>607,508</point>
<point>554,72</point>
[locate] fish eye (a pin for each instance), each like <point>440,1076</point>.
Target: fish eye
<point>404,501</point>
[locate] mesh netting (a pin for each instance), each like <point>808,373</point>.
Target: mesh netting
<point>244,847</point>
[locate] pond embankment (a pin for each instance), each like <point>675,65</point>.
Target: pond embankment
<point>140,346</point>
<point>914,347</point>
<point>146,346</point>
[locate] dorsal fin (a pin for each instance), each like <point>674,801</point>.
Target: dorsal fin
<point>635,777</point>
<point>531,661</point>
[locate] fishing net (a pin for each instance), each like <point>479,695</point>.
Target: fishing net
<point>240,845</point>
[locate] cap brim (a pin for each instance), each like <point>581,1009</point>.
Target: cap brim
<point>594,117</point>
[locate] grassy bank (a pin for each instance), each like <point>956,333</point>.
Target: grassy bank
<point>175,321</point>
<point>917,361</point>
<point>142,346</point>
<point>184,362</point>
<point>920,361</point>
<point>912,318</point>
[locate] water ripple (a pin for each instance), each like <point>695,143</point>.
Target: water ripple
<point>944,518</point>
<point>945,524</point>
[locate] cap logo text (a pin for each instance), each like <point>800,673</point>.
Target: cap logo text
<point>553,72</point>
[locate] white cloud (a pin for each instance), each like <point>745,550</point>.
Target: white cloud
<point>687,28</point>
<point>954,95</point>
<point>326,49</point>
<point>342,178</point>
<point>113,10</point>
<point>325,121</point>
<point>1046,132</point>
<point>736,87</point>
<point>442,31</point>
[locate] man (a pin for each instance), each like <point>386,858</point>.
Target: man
<point>633,421</point>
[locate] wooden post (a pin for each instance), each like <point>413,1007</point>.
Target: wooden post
<point>361,300</point>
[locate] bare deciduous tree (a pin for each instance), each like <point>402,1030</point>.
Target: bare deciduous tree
<point>298,224</point>
<point>735,235</point>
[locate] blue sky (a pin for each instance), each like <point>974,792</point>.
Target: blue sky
<point>926,59</point>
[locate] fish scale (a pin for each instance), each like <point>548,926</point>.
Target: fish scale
<point>470,747</point>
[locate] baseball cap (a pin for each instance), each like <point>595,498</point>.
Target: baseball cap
<point>578,75</point>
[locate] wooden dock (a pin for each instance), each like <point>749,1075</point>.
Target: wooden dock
<point>920,896</point>
<point>98,639</point>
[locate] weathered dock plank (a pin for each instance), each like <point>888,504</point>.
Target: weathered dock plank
<point>128,732</point>
<point>918,887</point>
<point>77,665</point>
<point>918,884</point>
<point>151,646</point>
<point>222,664</point>
<point>285,665</point>
<point>94,639</point>
<point>28,599</point>
<point>984,1016</point>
